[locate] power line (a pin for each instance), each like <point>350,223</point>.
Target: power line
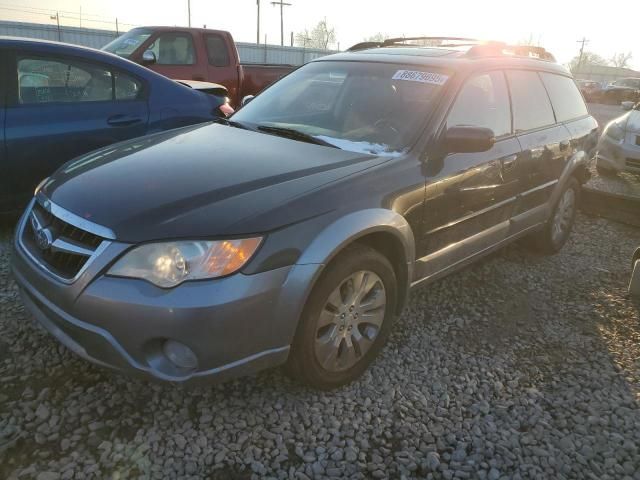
<point>64,14</point>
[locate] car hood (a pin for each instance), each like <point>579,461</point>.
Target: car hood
<point>202,181</point>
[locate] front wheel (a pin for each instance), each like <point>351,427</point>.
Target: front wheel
<point>557,230</point>
<point>346,321</point>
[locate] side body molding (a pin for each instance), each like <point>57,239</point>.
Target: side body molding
<point>336,236</point>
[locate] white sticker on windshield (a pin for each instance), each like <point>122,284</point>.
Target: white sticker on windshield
<point>422,77</point>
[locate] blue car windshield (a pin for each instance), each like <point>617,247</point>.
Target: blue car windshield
<point>374,108</point>
<point>128,43</point>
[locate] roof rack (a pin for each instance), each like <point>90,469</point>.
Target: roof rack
<point>478,48</point>
<point>402,41</point>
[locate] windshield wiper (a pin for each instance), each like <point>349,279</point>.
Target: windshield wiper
<point>233,123</point>
<point>295,135</point>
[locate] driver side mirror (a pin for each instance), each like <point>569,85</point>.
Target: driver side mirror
<point>468,139</point>
<point>148,58</point>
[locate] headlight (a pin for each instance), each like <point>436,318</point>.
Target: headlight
<point>615,131</point>
<point>169,264</point>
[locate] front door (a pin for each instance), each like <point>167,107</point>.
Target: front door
<point>469,202</point>
<point>61,107</point>
<point>176,56</point>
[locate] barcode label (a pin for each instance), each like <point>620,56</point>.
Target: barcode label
<point>422,77</point>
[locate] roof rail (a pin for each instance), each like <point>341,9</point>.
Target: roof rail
<point>500,48</point>
<point>478,48</point>
<point>402,41</point>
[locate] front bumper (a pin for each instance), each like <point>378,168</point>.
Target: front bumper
<point>234,326</point>
<point>619,156</point>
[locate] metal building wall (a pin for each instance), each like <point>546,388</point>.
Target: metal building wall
<point>249,52</point>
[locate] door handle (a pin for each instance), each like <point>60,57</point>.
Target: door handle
<point>123,120</point>
<point>564,145</point>
<point>509,162</point>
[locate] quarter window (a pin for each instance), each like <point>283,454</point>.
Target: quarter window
<point>173,49</point>
<point>217,51</point>
<point>530,102</point>
<point>483,102</point>
<point>565,97</point>
<point>53,80</point>
<point>127,88</point>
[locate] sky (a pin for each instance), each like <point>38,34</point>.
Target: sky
<point>557,25</point>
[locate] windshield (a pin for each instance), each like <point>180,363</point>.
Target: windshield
<point>371,108</point>
<point>128,43</point>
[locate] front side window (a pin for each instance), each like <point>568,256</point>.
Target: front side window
<point>483,102</point>
<point>529,100</point>
<point>217,51</point>
<point>372,108</point>
<point>565,97</point>
<point>173,49</point>
<point>58,80</point>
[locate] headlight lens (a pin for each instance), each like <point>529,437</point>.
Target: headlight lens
<point>615,131</point>
<point>169,264</point>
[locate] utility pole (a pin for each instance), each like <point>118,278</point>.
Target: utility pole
<point>56,17</point>
<point>282,4</point>
<point>582,44</point>
<point>258,27</point>
<point>189,11</point>
<point>117,29</point>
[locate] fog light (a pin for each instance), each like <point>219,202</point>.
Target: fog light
<point>180,355</point>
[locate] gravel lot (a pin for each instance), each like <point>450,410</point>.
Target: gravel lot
<point>521,366</point>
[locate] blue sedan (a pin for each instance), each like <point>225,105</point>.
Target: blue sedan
<point>62,101</point>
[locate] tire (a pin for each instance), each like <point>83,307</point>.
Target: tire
<point>330,303</point>
<point>550,239</point>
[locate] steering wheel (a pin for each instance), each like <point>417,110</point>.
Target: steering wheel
<point>386,124</point>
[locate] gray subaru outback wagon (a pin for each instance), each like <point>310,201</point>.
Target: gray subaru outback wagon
<point>293,232</point>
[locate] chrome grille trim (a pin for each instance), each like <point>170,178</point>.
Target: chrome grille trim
<point>73,219</point>
<point>62,245</point>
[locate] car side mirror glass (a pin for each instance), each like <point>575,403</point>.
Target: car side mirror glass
<point>468,139</point>
<point>246,99</point>
<point>148,58</point>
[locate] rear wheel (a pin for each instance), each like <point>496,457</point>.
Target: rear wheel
<point>346,320</point>
<point>557,230</point>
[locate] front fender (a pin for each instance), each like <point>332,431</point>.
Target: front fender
<point>327,244</point>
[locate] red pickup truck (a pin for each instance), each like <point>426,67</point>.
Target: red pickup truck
<point>196,54</point>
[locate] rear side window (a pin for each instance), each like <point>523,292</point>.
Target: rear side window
<point>483,102</point>
<point>55,80</point>
<point>530,102</point>
<point>217,51</point>
<point>127,88</point>
<point>565,96</point>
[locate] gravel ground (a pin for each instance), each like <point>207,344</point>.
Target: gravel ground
<point>605,113</point>
<point>623,183</point>
<point>521,366</point>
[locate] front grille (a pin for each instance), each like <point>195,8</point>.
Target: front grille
<point>633,163</point>
<point>71,248</point>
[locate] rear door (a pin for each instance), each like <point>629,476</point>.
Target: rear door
<point>61,107</point>
<point>4,180</point>
<point>475,191</point>
<point>221,66</point>
<point>545,146</point>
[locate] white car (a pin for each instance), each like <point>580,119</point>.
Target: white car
<point>619,144</point>
<point>634,284</point>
